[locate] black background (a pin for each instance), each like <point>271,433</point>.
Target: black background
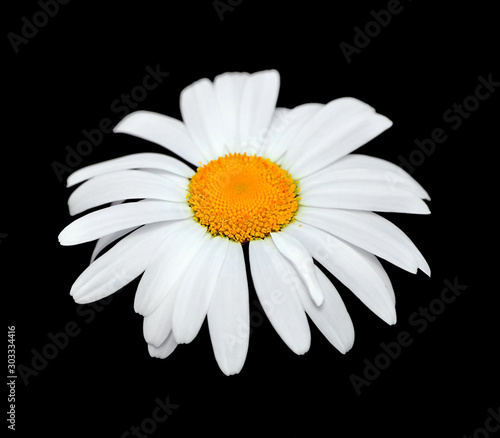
<point>64,80</point>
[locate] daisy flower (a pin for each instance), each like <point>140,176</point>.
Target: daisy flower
<point>284,182</point>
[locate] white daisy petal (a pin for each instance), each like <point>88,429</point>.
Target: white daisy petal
<point>317,129</point>
<point>145,160</point>
<point>353,135</point>
<point>276,128</point>
<point>119,217</point>
<point>120,265</point>
<point>180,181</point>
<point>228,314</point>
<point>348,189</point>
<point>229,90</point>
<point>122,185</point>
<point>275,282</point>
<point>201,114</point>
<point>285,128</point>
<point>302,261</point>
<point>332,175</point>
<point>368,231</point>
<point>165,349</point>
<point>195,289</point>
<point>258,102</point>
<point>163,130</point>
<point>391,171</point>
<point>342,126</point>
<point>179,247</point>
<point>360,271</point>
<point>331,318</point>
<point>158,324</point>
<point>104,241</point>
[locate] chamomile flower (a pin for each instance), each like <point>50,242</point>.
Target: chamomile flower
<point>284,182</point>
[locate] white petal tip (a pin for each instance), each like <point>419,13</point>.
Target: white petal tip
<point>230,371</point>
<point>425,210</point>
<point>300,350</point>
<point>183,338</point>
<point>318,300</point>
<point>65,239</point>
<point>60,239</point>
<point>119,127</point>
<point>425,268</point>
<point>388,315</point>
<point>392,321</point>
<point>153,352</point>
<point>80,300</point>
<point>347,346</point>
<point>138,309</point>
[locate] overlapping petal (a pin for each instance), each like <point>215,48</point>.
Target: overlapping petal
<point>232,114</point>
<point>285,127</point>
<point>165,349</point>
<point>171,261</point>
<point>163,130</point>
<point>368,231</point>
<point>123,185</point>
<point>331,318</point>
<point>339,128</point>
<point>275,279</point>
<point>144,160</point>
<point>360,271</point>
<point>195,290</point>
<point>120,217</point>
<point>354,189</point>
<point>120,265</point>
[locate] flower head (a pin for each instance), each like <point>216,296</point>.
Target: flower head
<point>282,181</point>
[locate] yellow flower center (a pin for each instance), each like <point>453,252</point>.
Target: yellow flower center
<point>243,197</point>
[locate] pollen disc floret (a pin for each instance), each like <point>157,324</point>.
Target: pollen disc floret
<point>243,197</point>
